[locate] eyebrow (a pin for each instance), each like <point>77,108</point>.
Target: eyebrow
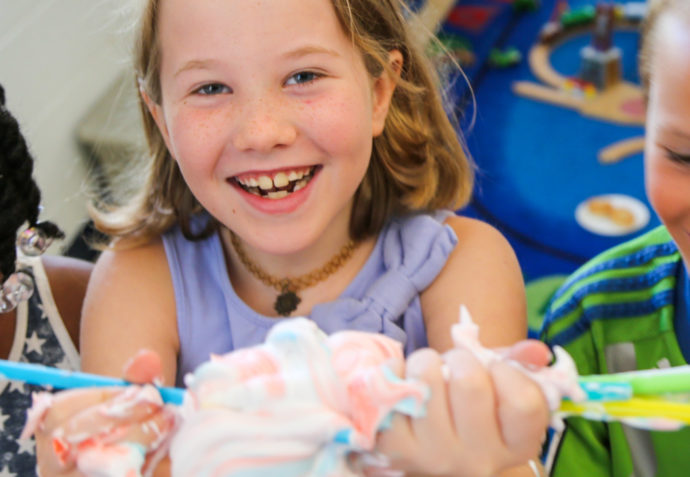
<point>195,65</point>
<point>310,50</point>
<point>296,53</point>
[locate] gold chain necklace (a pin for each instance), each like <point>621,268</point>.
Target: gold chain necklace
<point>288,287</point>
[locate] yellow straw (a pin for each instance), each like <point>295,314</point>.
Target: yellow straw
<point>636,407</point>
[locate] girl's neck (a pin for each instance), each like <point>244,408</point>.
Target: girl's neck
<point>261,297</point>
<point>299,262</point>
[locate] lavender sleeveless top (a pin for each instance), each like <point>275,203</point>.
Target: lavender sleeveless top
<point>383,298</point>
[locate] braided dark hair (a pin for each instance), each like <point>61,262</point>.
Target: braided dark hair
<point>19,194</point>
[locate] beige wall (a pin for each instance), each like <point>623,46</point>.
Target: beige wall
<point>56,58</point>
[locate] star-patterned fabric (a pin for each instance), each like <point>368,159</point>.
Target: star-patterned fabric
<point>40,337</point>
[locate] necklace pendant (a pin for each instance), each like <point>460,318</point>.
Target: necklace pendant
<point>286,302</point>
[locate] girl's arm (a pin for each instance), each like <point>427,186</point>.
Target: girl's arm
<point>129,306</point>
<point>479,421</point>
<point>68,278</point>
<point>482,273</point>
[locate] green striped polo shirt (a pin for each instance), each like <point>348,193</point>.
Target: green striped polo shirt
<point>615,314</point>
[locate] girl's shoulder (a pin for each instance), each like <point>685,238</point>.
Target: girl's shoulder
<point>477,236</point>
<point>482,273</point>
<point>145,258</point>
<point>68,279</point>
<point>68,276</point>
<point>143,268</point>
<point>130,302</point>
<point>459,237</point>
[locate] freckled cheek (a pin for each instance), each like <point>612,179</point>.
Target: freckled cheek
<point>197,134</point>
<point>342,124</point>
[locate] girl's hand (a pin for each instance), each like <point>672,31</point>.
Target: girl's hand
<point>478,423</point>
<point>128,425</point>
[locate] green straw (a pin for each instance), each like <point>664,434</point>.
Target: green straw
<point>648,381</point>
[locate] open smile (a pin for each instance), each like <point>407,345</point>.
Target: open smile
<point>276,185</point>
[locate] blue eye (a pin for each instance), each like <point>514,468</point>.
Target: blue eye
<point>212,89</point>
<point>302,77</point>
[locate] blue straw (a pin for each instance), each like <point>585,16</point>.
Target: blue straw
<point>61,379</point>
<point>606,390</point>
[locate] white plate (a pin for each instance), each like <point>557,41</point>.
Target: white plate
<point>602,225</point>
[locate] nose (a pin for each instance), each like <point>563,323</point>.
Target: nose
<point>264,124</point>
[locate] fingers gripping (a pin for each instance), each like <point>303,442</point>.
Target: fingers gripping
<point>473,410</point>
<point>123,427</point>
<point>435,432</point>
<point>523,416</point>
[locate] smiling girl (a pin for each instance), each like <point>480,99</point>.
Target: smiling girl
<point>303,165</point>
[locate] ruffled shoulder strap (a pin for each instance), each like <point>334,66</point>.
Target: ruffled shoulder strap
<point>410,253</point>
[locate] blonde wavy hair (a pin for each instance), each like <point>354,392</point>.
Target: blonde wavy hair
<point>418,163</point>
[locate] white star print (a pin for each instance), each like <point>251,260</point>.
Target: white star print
<point>3,418</point>
<point>44,315</point>
<point>26,445</point>
<point>34,344</point>
<point>16,386</point>
<point>63,364</point>
<point>5,472</point>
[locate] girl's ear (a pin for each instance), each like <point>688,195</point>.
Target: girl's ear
<point>156,112</point>
<point>383,88</point>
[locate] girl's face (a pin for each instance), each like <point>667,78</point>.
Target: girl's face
<point>667,148</point>
<point>270,113</point>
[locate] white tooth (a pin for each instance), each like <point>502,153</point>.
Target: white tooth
<point>293,176</point>
<point>300,185</point>
<point>265,182</point>
<point>280,179</point>
<point>252,182</point>
<point>277,194</point>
